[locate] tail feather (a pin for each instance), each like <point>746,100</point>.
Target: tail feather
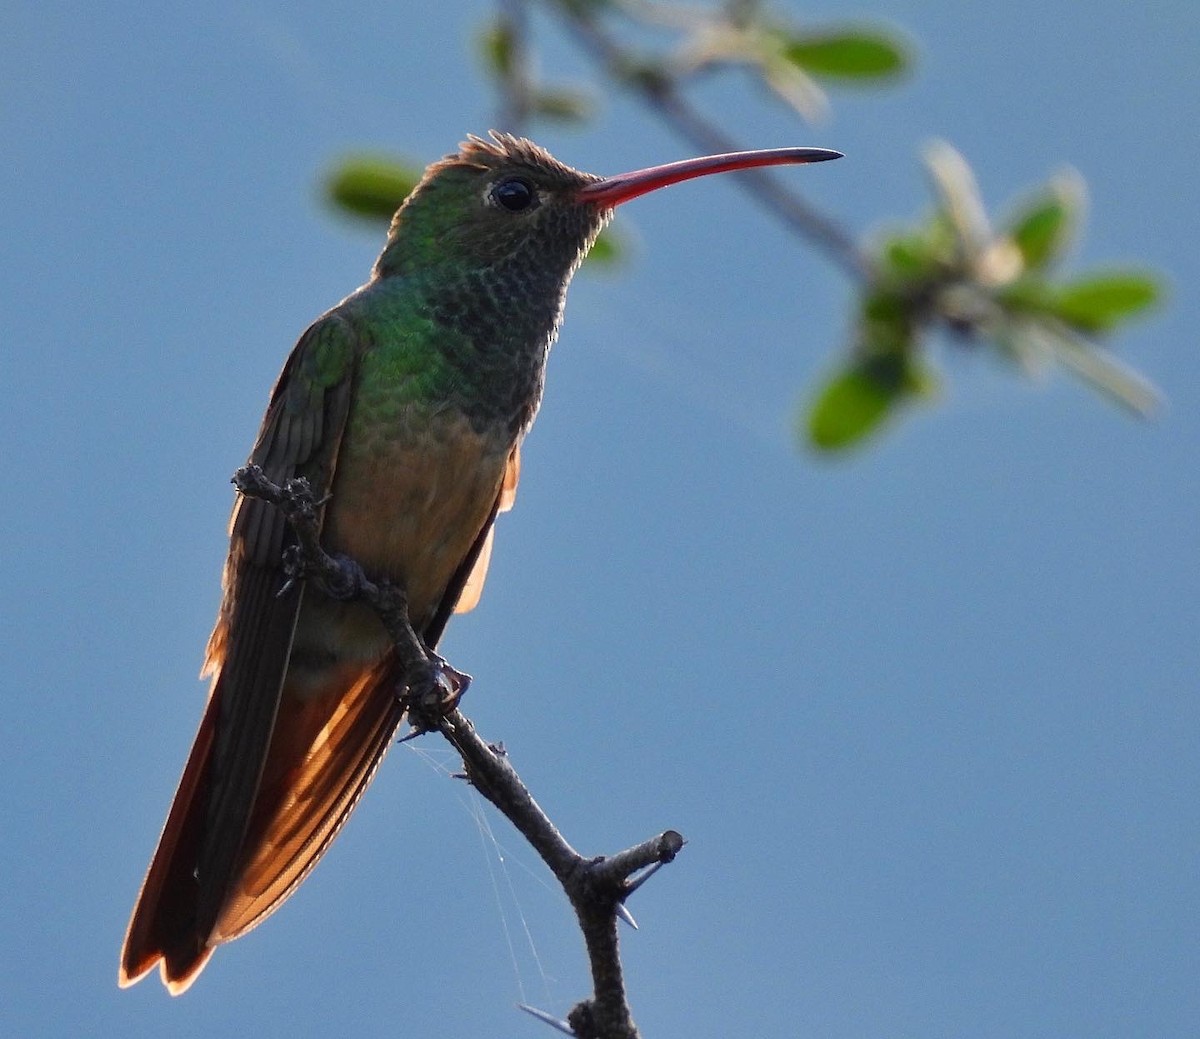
<point>163,925</point>
<point>321,759</point>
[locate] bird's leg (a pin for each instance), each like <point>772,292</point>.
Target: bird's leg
<point>428,686</point>
<point>339,577</point>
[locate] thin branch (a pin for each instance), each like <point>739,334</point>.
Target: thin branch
<point>595,887</point>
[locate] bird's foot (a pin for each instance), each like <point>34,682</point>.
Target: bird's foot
<point>433,692</point>
<point>345,580</point>
<point>339,577</point>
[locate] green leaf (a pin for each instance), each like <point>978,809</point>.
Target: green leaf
<point>585,7</point>
<point>371,187</point>
<point>1043,226</point>
<point>607,251</point>
<point>852,405</point>
<point>906,256</point>
<point>852,53</point>
<point>565,106</point>
<point>497,46</point>
<point>886,329</point>
<point>1030,294</point>
<point>1099,303</point>
<point>1040,232</point>
<point>884,373</point>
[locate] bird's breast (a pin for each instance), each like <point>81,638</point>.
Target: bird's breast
<point>410,495</point>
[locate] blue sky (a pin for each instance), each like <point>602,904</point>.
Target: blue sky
<point>926,714</point>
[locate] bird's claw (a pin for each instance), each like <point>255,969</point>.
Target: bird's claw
<point>295,569</point>
<point>345,580</point>
<point>434,692</point>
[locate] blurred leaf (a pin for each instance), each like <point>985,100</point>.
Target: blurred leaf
<point>371,187</point>
<point>851,406</point>
<point>794,87</point>
<point>1097,366</point>
<point>859,54</point>
<point>1099,303</point>
<point>643,73</point>
<point>1040,231</point>
<point>884,374</point>
<point>1043,226</point>
<point>607,251</point>
<point>907,256</point>
<point>856,401</point>
<point>566,106</point>
<point>955,183</point>
<point>941,237</point>
<point>497,46</point>
<point>1029,352</point>
<point>886,331</point>
<point>588,7</point>
<point>1031,294</point>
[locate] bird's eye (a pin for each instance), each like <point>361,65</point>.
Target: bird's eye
<point>514,194</point>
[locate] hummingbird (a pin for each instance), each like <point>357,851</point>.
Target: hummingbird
<point>405,407</point>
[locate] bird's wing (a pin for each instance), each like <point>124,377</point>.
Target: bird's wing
<point>197,858</point>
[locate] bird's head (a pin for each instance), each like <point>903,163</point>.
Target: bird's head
<point>505,201</point>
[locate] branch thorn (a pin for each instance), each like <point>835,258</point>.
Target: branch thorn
<point>626,915</point>
<point>548,1019</point>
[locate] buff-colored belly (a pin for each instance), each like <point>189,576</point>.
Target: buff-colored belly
<point>407,508</point>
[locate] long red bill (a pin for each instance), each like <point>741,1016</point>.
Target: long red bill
<point>612,191</point>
